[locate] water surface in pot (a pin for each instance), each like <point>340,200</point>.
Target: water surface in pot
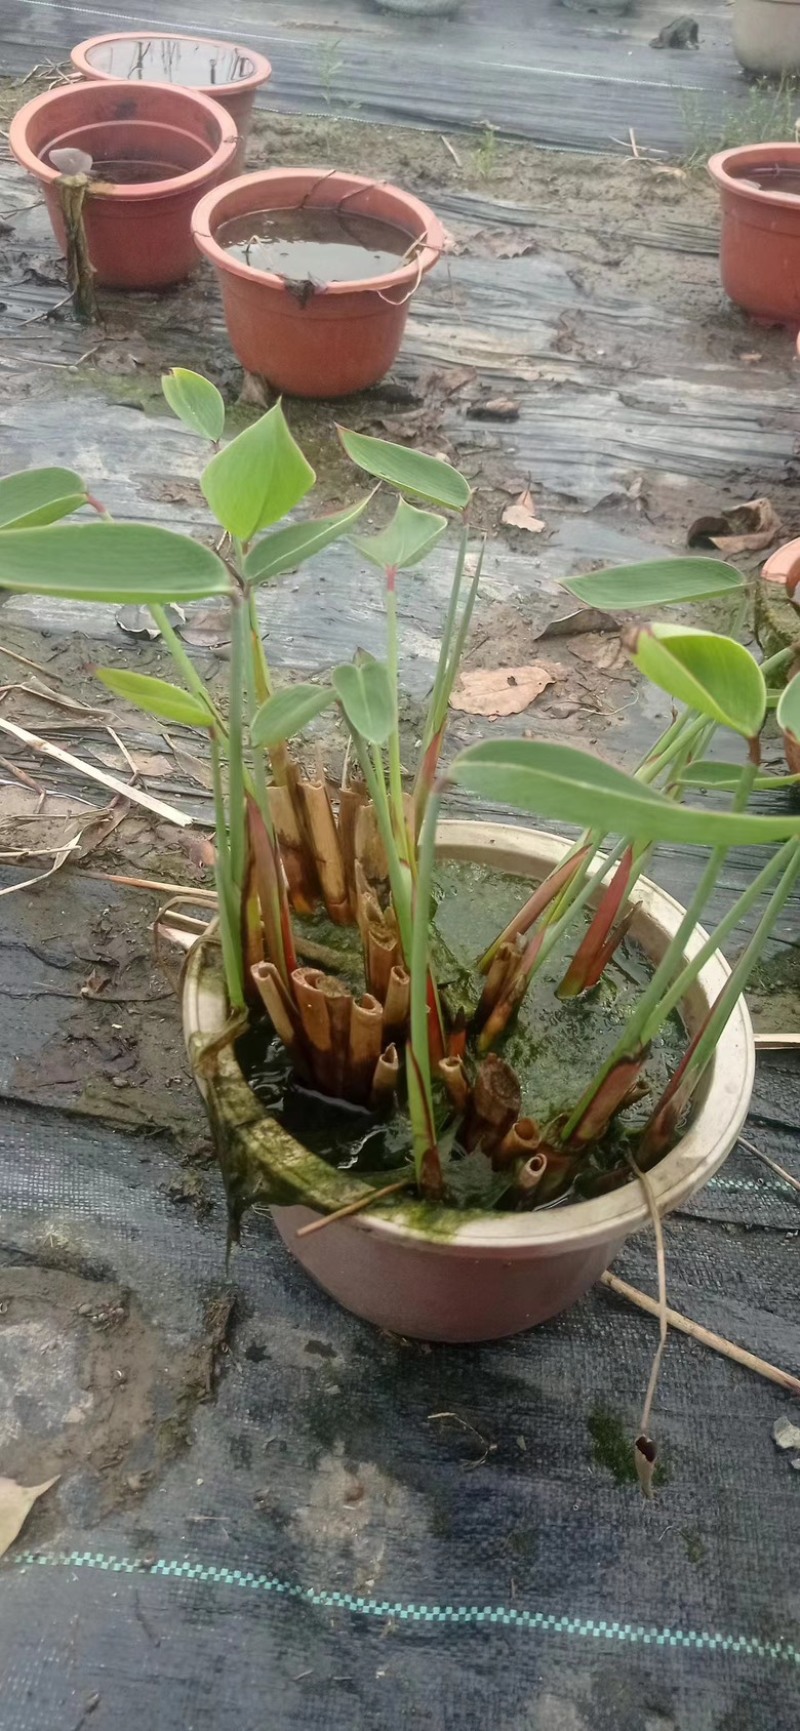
<point>317,245</point>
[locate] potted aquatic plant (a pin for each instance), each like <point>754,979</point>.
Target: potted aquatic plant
<point>481,1055</point>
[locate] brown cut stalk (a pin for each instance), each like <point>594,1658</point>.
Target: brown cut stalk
<point>519,1143</point>
<point>497,1022</point>
<point>454,1076</point>
<point>283,1014</point>
<point>271,887</point>
<point>298,861</point>
<point>383,955</point>
<point>369,849</point>
<point>252,930</point>
<point>503,965</point>
<point>396,1004</point>
<point>327,854</point>
<point>385,1079</point>
<point>315,994</point>
<point>611,1096</point>
<point>494,1105</point>
<point>364,1046</point>
<point>72,191</point>
<point>351,801</point>
<point>529,1178</point>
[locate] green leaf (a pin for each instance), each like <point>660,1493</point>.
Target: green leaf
<point>196,402</point>
<point>364,690</point>
<point>109,562</point>
<point>37,496</point>
<point>715,675</point>
<point>288,712</point>
<point>724,777</point>
<point>410,471</point>
<point>787,714</point>
<point>558,781</point>
<point>157,697</point>
<point>405,540</point>
<point>287,548</point>
<point>257,478</point>
<point>655,583</point>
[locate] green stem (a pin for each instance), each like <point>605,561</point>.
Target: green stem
<point>185,664</point>
<point>226,897</point>
<point>421,1096</point>
<point>393,745</point>
<point>236,740</point>
<point>631,1038</point>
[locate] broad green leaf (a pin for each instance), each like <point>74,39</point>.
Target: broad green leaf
<point>38,496</point>
<point>257,478</point>
<point>196,402</point>
<point>724,777</point>
<point>405,540</point>
<point>157,697</point>
<point>109,562</point>
<point>410,471</point>
<point>715,675</point>
<point>288,712</point>
<point>364,690</point>
<point>655,583</point>
<point>787,714</point>
<point>560,782</point>
<point>287,548</point>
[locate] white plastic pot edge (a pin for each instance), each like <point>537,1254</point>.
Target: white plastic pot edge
<point>716,1123</point>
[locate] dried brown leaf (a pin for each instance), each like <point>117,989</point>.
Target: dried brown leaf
<point>747,528</point>
<point>522,514</point>
<point>577,624</point>
<point>502,690</point>
<point>495,409</point>
<point>208,628</point>
<point>16,1502</point>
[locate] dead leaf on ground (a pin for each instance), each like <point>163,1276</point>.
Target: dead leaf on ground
<point>16,1502</point>
<point>494,409</point>
<point>255,391</point>
<point>605,653</point>
<point>579,623</point>
<point>138,622</point>
<point>751,359</point>
<point>522,514</point>
<point>501,690</point>
<point>448,380</point>
<point>197,768</point>
<point>208,628</point>
<point>747,528</point>
<point>491,243</point>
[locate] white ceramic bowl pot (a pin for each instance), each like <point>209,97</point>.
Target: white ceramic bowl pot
<point>425,1271</point>
<point>766,36</point>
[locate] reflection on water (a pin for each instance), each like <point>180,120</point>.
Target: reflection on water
<point>172,60</point>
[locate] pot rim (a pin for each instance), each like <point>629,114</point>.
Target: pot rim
<point>135,190</point>
<point>751,156</point>
<point>262,67</point>
<point>408,275</point>
<point>712,1132</point>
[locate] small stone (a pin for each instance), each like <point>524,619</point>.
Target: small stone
<point>786,1434</point>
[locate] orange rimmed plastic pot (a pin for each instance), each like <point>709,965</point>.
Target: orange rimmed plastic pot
<point>341,336</point>
<point>138,233</point>
<point>223,71</point>
<point>760,240</point>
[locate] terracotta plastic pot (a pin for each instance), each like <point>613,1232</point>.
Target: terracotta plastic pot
<point>760,240</point>
<point>228,74</point>
<point>342,337</point>
<point>766,36</point>
<point>139,234</point>
<point>409,1268</point>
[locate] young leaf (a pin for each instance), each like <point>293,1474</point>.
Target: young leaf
<point>724,777</point>
<point>558,781</point>
<point>787,714</point>
<point>405,540</point>
<point>713,674</point>
<point>287,548</point>
<point>257,478</point>
<point>157,697</point>
<point>196,402</point>
<point>365,693</point>
<point>655,583</point>
<point>38,496</point>
<point>288,712</point>
<point>410,471</point>
<point>109,562</point>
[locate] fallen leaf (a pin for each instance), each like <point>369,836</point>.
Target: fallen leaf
<point>137,621</point>
<point>491,243</point>
<point>667,168</point>
<point>197,768</point>
<point>751,360</point>
<point>208,628</point>
<point>494,409</point>
<point>522,514</point>
<point>501,690</point>
<point>605,653</point>
<point>577,624</point>
<point>256,391</point>
<point>16,1502</point>
<point>747,528</point>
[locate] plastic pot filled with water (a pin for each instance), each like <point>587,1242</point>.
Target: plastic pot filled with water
<point>154,151</point>
<point>230,75</point>
<point>317,270</point>
<point>759,187</point>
